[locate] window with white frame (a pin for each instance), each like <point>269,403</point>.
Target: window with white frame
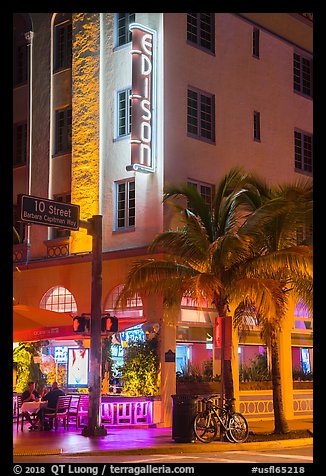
<point>62,41</point>
<point>304,235</point>
<point>125,214</point>
<point>63,130</point>
<point>58,299</point>
<point>255,43</point>
<point>20,144</point>
<point>200,30</point>
<point>201,115</point>
<point>59,232</point>
<point>257,126</point>
<point>123,34</point>
<point>302,74</point>
<point>124,112</point>
<point>303,158</point>
<point>204,189</point>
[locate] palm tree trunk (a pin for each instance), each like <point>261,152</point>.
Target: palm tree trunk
<point>280,423</point>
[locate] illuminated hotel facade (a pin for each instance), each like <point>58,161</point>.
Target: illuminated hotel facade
<point>105,115</point>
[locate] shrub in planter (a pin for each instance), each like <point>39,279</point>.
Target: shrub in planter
<point>26,368</point>
<point>301,375</point>
<point>196,380</point>
<point>140,370</point>
<point>257,371</point>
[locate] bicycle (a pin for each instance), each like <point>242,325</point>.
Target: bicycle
<point>206,423</point>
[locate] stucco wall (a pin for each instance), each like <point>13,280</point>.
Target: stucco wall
<point>241,84</point>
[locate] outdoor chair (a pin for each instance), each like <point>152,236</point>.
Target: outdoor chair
<point>82,409</point>
<point>61,412</point>
<point>73,410</point>
<point>19,415</point>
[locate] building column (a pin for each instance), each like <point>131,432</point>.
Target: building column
<point>235,367</point>
<point>167,351</point>
<point>285,356</point>
<point>167,317</point>
<point>85,171</point>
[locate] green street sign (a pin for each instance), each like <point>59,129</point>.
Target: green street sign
<point>42,211</point>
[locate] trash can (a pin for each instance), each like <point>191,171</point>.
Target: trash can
<point>184,410</point>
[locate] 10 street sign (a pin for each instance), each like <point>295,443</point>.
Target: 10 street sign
<point>48,212</point>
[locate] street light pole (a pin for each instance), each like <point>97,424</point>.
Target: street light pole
<point>94,427</point>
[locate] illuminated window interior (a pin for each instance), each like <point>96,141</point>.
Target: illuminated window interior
<point>58,299</point>
<point>134,306</point>
<point>302,316</point>
<point>191,311</point>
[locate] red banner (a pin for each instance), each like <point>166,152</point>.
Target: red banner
<point>218,335</point>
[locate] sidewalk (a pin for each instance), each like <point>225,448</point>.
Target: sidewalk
<point>127,441</point>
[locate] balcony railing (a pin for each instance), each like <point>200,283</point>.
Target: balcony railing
<point>20,253</point>
<point>58,248</point>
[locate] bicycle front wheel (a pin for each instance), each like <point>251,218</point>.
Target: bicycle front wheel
<point>205,427</point>
<point>238,430</point>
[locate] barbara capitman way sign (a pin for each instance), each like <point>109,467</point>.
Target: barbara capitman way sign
<point>46,212</point>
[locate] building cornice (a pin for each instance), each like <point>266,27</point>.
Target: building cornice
<point>78,258</point>
<point>293,28</point>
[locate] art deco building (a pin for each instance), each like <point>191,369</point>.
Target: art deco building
<point>106,115</point>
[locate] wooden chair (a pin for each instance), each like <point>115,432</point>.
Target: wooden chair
<point>61,411</point>
<point>73,410</point>
<point>19,415</point>
<point>82,409</point>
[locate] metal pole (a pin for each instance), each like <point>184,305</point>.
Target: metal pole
<point>94,427</point>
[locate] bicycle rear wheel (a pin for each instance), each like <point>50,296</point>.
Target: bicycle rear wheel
<point>238,430</point>
<point>205,427</point>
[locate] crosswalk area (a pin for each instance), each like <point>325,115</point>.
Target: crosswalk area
<point>283,456</point>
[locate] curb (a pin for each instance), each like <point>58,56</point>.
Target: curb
<point>197,447</point>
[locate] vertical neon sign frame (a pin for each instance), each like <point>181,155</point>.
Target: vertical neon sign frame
<point>143,106</point>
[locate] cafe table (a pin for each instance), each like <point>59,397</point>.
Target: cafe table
<point>32,407</point>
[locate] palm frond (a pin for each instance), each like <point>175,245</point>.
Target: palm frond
<point>153,276</point>
<point>265,296</point>
<point>189,244</point>
<point>288,262</point>
<point>195,203</point>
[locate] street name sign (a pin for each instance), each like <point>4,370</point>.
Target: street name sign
<point>48,212</point>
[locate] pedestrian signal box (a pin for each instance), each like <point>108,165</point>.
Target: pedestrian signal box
<point>82,324</point>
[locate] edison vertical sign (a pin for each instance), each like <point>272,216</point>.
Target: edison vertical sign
<point>143,98</point>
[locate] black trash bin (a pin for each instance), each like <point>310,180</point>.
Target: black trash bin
<point>183,413</point>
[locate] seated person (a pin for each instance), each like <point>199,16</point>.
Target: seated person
<point>30,395</point>
<point>51,397</point>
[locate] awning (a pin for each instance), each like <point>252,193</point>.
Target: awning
<point>32,324</point>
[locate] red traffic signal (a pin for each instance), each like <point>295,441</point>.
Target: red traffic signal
<point>83,323</point>
<point>109,323</point>
<point>80,324</point>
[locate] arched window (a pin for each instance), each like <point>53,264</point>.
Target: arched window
<point>192,311</point>
<point>62,41</point>
<point>58,299</point>
<point>302,316</point>
<point>134,306</point>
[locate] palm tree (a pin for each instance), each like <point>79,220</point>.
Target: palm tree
<point>217,255</point>
<point>201,259</point>
<point>281,263</point>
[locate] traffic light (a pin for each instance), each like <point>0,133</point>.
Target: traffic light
<point>80,324</point>
<point>109,323</point>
